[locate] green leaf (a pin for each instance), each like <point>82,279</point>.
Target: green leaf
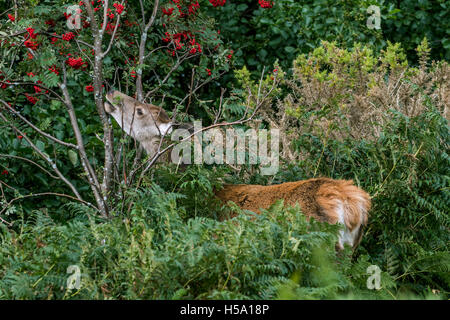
<point>40,145</point>
<point>289,49</point>
<point>241,7</point>
<point>73,157</point>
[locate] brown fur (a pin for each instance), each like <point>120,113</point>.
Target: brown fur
<point>158,113</point>
<point>146,123</point>
<point>319,198</point>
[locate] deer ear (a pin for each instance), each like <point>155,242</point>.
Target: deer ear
<point>159,114</point>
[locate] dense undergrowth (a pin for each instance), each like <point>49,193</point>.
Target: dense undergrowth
<point>168,239</point>
<point>160,249</point>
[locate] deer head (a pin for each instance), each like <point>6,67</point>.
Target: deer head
<point>146,123</point>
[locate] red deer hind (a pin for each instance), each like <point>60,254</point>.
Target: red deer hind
<point>327,200</point>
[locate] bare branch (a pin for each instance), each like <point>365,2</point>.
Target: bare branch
<point>48,136</point>
<point>222,92</point>
<point>30,161</point>
<point>44,156</point>
<point>243,120</point>
<point>186,56</point>
<point>112,36</point>
<point>105,16</point>
<point>45,194</point>
<point>98,97</point>
<point>139,87</point>
<point>92,177</point>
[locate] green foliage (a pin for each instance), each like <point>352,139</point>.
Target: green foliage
<point>196,183</point>
<point>167,239</point>
<point>153,253</point>
<point>45,68</point>
<point>409,21</point>
<point>401,156</point>
<point>260,36</point>
<point>406,170</point>
<point>290,28</point>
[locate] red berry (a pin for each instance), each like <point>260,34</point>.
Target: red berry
<point>68,36</point>
<point>218,3</point>
<point>265,4</point>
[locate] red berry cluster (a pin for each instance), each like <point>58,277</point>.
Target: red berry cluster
<point>192,8</point>
<point>50,23</point>
<point>167,12</point>
<point>37,89</point>
<point>3,85</point>
<point>31,33</point>
<point>119,7</point>
<point>31,99</point>
<point>54,39</point>
<point>11,17</point>
<point>53,69</point>
<point>68,36</point>
<point>76,63</point>
<point>195,46</point>
<point>218,3</point>
<point>177,39</point>
<point>265,4</point>
<point>110,14</point>
<point>110,27</point>
<point>33,45</point>
<point>182,5</point>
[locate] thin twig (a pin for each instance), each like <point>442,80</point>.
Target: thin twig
<point>30,161</point>
<point>44,156</point>
<point>48,136</point>
<point>243,120</point>
<point>47,194</point>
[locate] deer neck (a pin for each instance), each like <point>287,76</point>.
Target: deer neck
<point>151,145</point>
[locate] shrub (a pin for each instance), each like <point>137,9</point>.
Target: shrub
<point>290,28</point>
<point>351,93</point>
<point>383,125</point>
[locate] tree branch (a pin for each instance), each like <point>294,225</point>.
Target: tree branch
<point>44,156</point>
<point>48,136</point>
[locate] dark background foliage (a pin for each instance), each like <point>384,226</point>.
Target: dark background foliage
<point>261,36</point>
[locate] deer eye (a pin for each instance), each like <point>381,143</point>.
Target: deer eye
<point>139,112</point>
